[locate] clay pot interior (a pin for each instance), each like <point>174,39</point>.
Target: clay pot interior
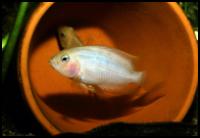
<point>154,30</point>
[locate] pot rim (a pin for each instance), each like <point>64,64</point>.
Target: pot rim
<point>23,68</point>
<point>194,46</point>
<point>23,71</point>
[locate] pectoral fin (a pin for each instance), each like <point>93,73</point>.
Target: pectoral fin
<point>93,88</point>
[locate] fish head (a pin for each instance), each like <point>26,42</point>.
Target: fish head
<point>64,31</point>
<point>68,37</point>
<point>65,63</point>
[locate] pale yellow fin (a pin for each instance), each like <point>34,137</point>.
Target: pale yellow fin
<point>136,63</point>
<point>92,88</point>
<point>126,89</point>
<point>128,58</point>
<point>68,37</point>
<point>154,78</point>
<point>75,84</point>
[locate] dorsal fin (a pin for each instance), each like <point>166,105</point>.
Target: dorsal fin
<point>127,59</point>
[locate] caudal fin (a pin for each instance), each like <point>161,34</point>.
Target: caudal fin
<point>154,78</point>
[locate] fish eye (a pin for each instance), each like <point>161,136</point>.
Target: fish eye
<point>63,35</point>
<point>65,58</point>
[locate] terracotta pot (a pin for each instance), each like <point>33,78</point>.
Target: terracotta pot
<point>159,30</point>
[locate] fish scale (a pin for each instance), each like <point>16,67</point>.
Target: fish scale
<point>95,59</point>
<point>104,73</point>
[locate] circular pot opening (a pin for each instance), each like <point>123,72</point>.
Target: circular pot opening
<point>159,31</point>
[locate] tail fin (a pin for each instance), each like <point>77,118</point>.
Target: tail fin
<point>142,79</point>
<point>155,77</point>
<point>151,81</point>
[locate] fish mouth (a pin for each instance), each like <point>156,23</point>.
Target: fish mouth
<point>51,64</point>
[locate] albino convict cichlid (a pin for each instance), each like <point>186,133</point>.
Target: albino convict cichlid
<point>98,68</point>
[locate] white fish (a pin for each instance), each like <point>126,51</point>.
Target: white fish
<point>98,68</point>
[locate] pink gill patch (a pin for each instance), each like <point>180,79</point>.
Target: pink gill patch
<point>72,69</point>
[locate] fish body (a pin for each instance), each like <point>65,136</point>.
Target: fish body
<point>98,67</point>
<point>68,37</point>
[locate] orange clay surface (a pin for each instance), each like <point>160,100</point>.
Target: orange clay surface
<point>158,31</point>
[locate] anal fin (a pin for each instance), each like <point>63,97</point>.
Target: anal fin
<point>126,89</point>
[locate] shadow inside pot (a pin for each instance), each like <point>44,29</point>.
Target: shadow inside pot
<point>92,106</point>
